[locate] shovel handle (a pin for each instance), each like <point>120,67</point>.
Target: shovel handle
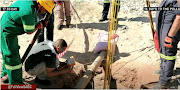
<point>34,39</point>
<point>75,12</point>
<point>150,18</point>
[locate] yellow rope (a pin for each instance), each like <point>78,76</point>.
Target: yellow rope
<point>111,42</point>
<point>150,16</point>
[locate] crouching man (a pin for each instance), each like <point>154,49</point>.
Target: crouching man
<point>42,61</point>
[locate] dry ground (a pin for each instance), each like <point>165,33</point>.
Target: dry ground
<point>135,59</point>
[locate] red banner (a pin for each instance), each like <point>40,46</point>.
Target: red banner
<point>19,86</point>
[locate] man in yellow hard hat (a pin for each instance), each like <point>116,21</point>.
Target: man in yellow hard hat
<point>14,23</point>
<point>50,26</point>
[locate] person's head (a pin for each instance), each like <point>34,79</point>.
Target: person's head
<point>60,45</point>
<point>46,6</point>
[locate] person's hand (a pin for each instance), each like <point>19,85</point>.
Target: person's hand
<point>44,22</point>
<point>41,24</point>
<point>168,42</point>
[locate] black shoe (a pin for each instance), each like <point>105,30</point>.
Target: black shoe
<point>44,82</point>
<point>103,19</point>
<point>158,86</point>
<point>59,27</point>
<point>6,81</point>
<point>68,26</point>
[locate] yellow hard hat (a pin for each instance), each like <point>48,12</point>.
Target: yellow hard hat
<point>47,4</point>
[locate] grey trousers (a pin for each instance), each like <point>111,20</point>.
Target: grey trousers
<point>167,63</point>
<point>64,12</point>
<point>39,71</point>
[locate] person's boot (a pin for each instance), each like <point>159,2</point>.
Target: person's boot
<point>158,86</point>
<point>59,27</point>
<point>44,82</point>
<point>158,71</point>
<point>68,26</point>
<point>102,19</point>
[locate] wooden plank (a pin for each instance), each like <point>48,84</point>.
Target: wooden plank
<point>89,73</point>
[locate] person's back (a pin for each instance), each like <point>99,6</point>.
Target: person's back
<point>15,22</point>
<point>42,52</point>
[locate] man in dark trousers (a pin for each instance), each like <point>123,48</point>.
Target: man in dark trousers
<point>50,26</point>
<point>49,29</point>
<point>167,25</point>
<point>106,9</point>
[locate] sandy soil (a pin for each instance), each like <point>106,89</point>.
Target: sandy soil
<point>135,59</point>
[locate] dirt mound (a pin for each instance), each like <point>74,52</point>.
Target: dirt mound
<point>130,76</point>
<point>126,79</point>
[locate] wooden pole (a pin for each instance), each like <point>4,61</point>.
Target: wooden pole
<point>75,12</point>
<point>150,18</point>
<point>89,73</point>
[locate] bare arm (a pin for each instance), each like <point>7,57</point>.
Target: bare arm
<point>175,27</point>
<point>51,72</point>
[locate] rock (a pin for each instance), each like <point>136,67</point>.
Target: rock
<point>126,38</point>
<point>99,70</point>
<point>124,27</point>
<point>90,29</point>
<point>148,85</point>
<point>6,2</point>
<point>122,31</point>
